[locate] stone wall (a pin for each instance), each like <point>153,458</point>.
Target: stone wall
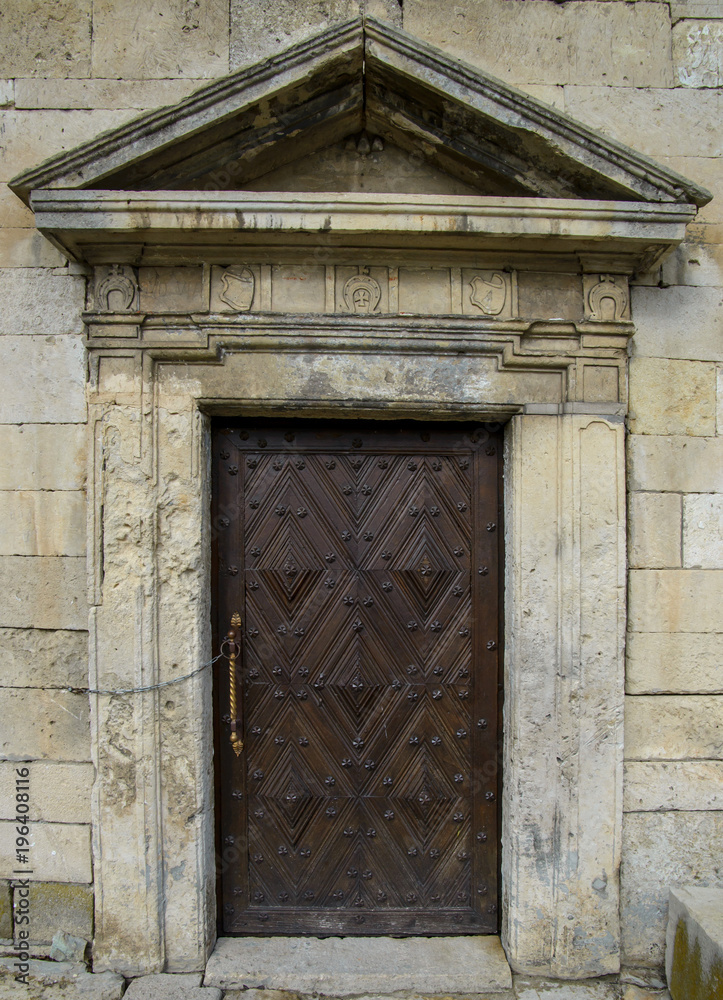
<point>647,73</point>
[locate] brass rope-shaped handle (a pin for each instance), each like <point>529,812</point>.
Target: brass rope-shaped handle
<point>233,646</point>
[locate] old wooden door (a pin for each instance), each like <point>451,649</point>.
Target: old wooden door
<point>363,560</point>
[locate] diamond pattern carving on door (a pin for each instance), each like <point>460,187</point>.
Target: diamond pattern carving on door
<point>363,559</point>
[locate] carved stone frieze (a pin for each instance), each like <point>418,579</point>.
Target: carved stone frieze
<point>363,289</point>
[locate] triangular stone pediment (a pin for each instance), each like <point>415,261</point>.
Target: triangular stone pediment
<point>360,163</point>
<point>452,128</point>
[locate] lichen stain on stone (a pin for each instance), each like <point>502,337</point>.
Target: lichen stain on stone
<point>318,385</point>
<point>176,872</point>
<point>688,979</point>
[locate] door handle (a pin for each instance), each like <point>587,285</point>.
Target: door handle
<point>230,647</point>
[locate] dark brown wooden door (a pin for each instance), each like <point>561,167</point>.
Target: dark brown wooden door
<point>363,560</point>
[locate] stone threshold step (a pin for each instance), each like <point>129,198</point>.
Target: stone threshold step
<point>356,966</point>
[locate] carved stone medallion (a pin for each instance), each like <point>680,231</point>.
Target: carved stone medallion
<point>605,297</point>
<point>489,292</point>
<point>116,292</point>
<point>239,285</point>
<point>362,293</point>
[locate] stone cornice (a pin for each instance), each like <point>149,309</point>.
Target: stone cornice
<point>177,226</point>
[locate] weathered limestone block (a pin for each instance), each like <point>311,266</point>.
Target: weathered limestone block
<point>37,523</point>
<point>13,213</point>
<point>34,391</point>
<point>656,122</point>
<point>678,322</point>
<point>27,248</point>
<point>342,966</point>
<point>694,8</point>
<point>538,988</point>
<point>60,852</point>
<point>675,600</point>
<point>59,981</point>
<point>42,457</point>
<point>672,397</point>
<point>171,987</point>
<point>397,378</point>
<point>661,850</point>
<point>698,53</point>
<point>173,289</point>
<point>29,137</point>
<point>552,94</point>
<point>111,95</point>
<point>40,658</point>
<point>7,93</point>
<point>703,531</point>
<point>59,792</point>
<point>6,912</point>
<point>50,725</point>
<point>68,948</point>
<point>675,464</point>
<point>260,28</point>
<point>45,38</point>
<point>46,592</point>
<point>654,530</point>
<point>661,786</point>
<point>687,663</point>
<point>706,171</point>
<point>613,45</point>
<point>160,39</point>
<point>385,10</point>
<point>539,297</point>
<point>60,906</point>
<point>698,261</point>
<point>674,727</point>
<point>39,301</point>
<point>694,943</point>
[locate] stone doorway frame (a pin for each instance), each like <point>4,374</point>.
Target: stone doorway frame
<point>549,356</point>
<point>150,528</point>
